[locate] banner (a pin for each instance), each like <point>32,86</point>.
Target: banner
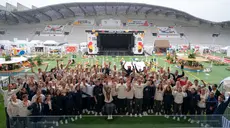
<point>71,49</point>
<point>166,30</point>
<point>111,23</point>
<point>138,23</point>
<point>84,22</point>
<point>54,29</point>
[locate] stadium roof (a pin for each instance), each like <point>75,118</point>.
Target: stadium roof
<point>61,11</point>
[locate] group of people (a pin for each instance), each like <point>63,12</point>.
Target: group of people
<point>105,90</point>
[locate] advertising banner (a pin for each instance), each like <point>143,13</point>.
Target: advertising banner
<point>111,22</point>
<point>138,23</point>
<point>54,29</point>
<point>84,22</point>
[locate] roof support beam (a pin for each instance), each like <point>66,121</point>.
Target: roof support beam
<point>26,20</point>
<point>82,9</point>
<point>16,19</point>
<point>116,10</point>
<point>138,10</point>
<point>71,11</point>
<point>49,17</point>
<point>62,16</point>
<point>127,10</point>
<point>149,11</point>
<point>106,12</point>
<point>95,11</point>
<point>33,17</point>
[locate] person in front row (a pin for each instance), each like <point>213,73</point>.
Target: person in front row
<point>109,106</point>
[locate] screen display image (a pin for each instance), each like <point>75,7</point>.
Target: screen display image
<point>115,41</point>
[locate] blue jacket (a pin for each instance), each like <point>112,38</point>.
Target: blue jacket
<point>221,107</point>
<point>211,102</point>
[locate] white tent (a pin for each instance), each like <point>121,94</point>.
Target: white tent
<point>225,86</point>
<point>50,43</point>
<point>13,60</point>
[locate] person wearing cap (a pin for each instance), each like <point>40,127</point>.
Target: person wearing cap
<point>121,89</point>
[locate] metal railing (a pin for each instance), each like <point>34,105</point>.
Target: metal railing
<point>88,121</point>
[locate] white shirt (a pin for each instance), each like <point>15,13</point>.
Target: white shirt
<point>138,91</point>
<point>23,109</point>
<point>159,95</point>
<point>7,95</point>
<point>202,103</point>
<point>121,89</point>
<point>89,89</point>
<point>130,93</point>
<point>13,108</point>
<point>84,89</point>
<point>178,97</point>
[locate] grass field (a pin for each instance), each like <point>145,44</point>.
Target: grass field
<point>218,73</point>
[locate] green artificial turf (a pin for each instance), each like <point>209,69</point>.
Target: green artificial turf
<point>128,122</point>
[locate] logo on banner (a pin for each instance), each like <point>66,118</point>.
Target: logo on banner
<point>138,23</point>
<point>71,49</point>
<point>84,22</point>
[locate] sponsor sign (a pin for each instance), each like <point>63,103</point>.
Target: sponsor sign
<point>138,23</point>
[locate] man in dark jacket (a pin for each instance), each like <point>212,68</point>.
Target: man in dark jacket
<point>193,98</point>
<point>148,93</point>
<point>37,109</point>
<point>98,97</point>
<point>219,111</point>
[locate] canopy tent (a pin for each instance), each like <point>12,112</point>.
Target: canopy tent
<point>50,43</point>
<point>13,60</point>
<point>161,46</point>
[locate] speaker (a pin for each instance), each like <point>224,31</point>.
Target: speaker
<point>2,32</point>
<point>66,33</point>
<point>181,34</point>
<point>37,32</point>
<point>154,34</point>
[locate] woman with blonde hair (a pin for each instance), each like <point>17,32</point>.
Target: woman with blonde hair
<point>109,106</point>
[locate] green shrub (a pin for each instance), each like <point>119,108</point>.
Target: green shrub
<point>7,58</point>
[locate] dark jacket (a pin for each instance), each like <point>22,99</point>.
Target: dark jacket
<point>47,110</point>
<point>58,104</point>
<point>36,110</point>
<point>149,92</point>
<point>168,98</point>
<point>175,78</point>
<point>193,99</point>
<point>211,102</point>
<point>222,107</point>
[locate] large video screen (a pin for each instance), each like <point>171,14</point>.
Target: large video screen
<point>115,41</point>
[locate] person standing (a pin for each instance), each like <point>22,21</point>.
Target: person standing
<point>138,94</point>
<point>178,100</point>
<point>6,96</point>
<point>168,100</point>
<point>109,106</point>
<point>129,96</point>
<point>159,98</point>
<point>147,95</point>
<point>121,90</point>
<point>98,97</point>
<point>24,112</point>
<point>13,109</point>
